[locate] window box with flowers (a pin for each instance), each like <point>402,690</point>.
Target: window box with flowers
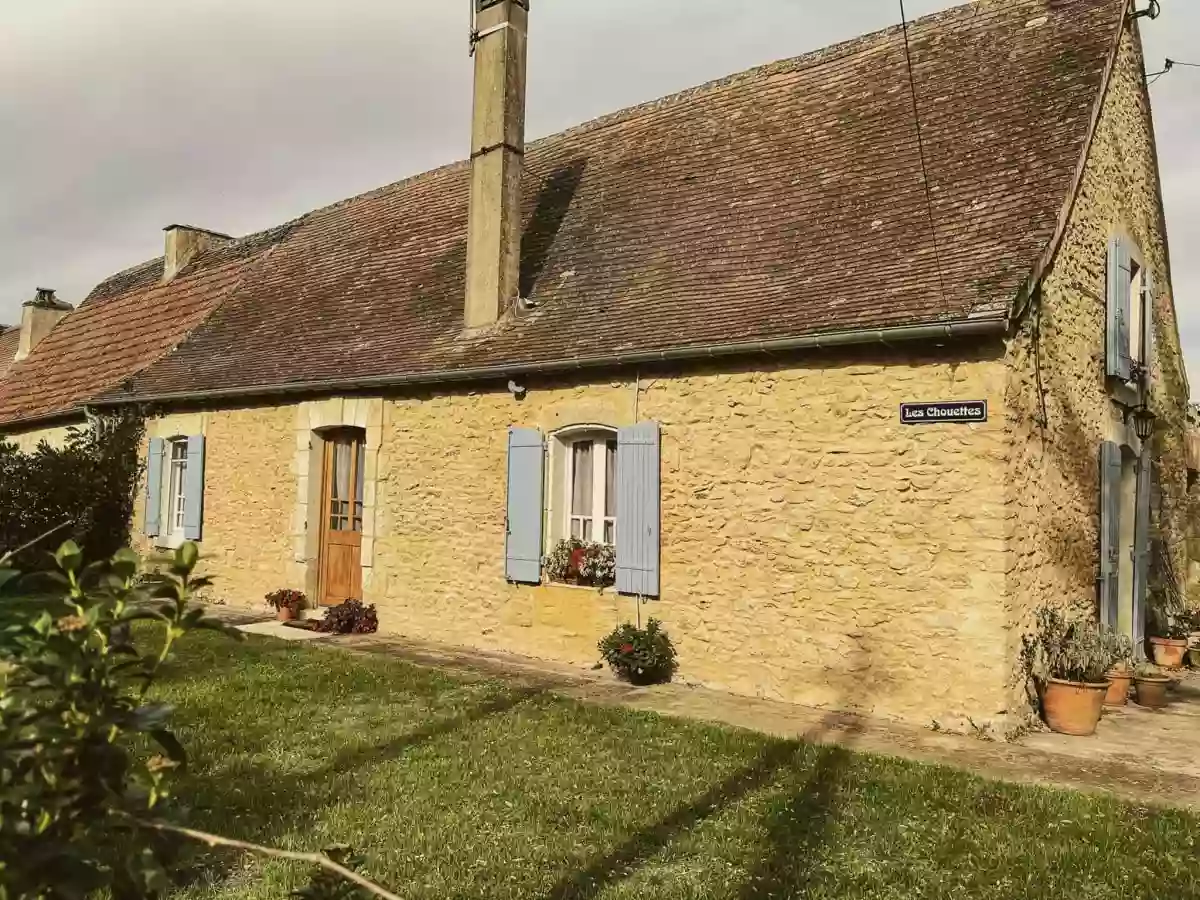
<point>589,564</point>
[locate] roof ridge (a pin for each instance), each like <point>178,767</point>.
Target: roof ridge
<point>821,56</point>
<point>803,62</point>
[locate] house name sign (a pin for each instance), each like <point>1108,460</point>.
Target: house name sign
<point>945,411</point>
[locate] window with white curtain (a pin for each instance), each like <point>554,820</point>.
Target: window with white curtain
<point>589,488</point>
<point>176,493</point>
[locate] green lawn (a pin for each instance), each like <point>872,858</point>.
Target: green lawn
<point>457,789</point>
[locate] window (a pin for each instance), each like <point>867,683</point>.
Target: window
<point>583,485</point>
<point>592,485</point>
<point>175,489</point>
<point>347,465</point>
<point>176,493</point>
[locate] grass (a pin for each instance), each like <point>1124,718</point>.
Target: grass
<point>453,788</point>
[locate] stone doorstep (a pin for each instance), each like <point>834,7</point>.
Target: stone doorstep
<point>1094,764</point>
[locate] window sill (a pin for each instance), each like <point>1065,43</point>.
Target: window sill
<point>170,541</point>
<point>610,589</point>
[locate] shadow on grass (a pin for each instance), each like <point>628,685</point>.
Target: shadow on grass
<point>286,803</point>
<point>797,827</point>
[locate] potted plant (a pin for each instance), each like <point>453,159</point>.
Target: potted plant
<point>1069,659</point>
<point>286,603</point>
<point>1170,641</point>
<point>1120,675</point>
<point>640,655</point>
<point>1150,686</point>
<point>572,561</point>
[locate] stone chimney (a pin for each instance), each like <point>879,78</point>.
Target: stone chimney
<point>38,318</point>
<point>497,157</point>
<point>183,243</point>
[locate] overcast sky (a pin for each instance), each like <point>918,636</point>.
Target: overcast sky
<point>118,117</point>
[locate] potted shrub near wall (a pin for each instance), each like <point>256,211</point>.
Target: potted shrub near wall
<point>1120,676</point>
<point>640,655</point>
<point>1069,659</point>
<point>1150,686</point>
<point>286,603</point>
<point>1170,642</point>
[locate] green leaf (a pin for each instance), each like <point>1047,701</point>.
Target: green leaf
<point>125,563</point>
<point>69,557</point>
<point>170,745</point>
<point>186,557</point>
<point>7,575</point>
<point>150,717</point>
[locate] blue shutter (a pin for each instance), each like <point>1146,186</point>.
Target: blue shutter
<point>1117,361</point>
<point>1141,549</point>
<point>1110,530</point>
<point>154,470</point>
<point>1148,323</point>
<point>638,509</point>
<point>193,487</point>
<point>523,538</point>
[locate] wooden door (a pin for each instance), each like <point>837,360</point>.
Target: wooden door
<point>342,517</point>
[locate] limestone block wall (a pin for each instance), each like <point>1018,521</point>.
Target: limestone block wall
<point>249,498</point>
<point>27,440</point>
<point>813,549</point>
<point>1058,403</point>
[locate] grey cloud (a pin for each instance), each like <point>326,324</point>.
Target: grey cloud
<point>122,116</point>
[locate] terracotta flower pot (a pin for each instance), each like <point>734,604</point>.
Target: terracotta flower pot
<point>1151,692</point>
<point>1073,707</point>
<point>285,614</point>
<point>1168,652</point>
<point>1118,688</point>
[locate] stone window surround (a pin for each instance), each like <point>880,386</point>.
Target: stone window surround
<point>314,419</point>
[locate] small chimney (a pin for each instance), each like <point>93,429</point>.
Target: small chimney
<point>184,242</point>
<point>497,157</point>
<point>38,318</point>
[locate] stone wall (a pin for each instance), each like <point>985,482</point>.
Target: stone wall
<point>27,440</point>
<point>814,549</point>
<point>1058,355</point>
<point>249,498</point>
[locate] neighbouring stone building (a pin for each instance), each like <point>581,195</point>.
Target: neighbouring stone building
<point>688,330</point>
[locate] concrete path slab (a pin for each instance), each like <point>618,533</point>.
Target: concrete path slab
<point>283,632</point>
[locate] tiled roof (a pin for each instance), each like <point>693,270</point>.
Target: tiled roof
<point>10,336</point>
<point>785,201</point>
<point>124,325</point>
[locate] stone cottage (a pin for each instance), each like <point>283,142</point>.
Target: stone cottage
<point>842,358</point>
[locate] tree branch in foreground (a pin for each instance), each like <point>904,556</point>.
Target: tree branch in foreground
<point>317,859</point>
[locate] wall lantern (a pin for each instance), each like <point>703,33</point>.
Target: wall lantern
<point>1143,422</point>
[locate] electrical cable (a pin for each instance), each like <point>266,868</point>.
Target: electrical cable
<point>937,259</point>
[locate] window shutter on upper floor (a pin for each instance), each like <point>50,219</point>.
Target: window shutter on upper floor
<point>193,487</point>
<point>1110,529</point>
<point>638,509</point>
<point>1141,547</point>
<point>523,522</point>
<point>154,470</point>
<point>1147,301</point>
<point>1117,358</point>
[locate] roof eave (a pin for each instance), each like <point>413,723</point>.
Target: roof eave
<point>978,327</point>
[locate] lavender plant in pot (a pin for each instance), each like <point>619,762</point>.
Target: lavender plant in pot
<point>1120,676</point>
<point>1068,658</point>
